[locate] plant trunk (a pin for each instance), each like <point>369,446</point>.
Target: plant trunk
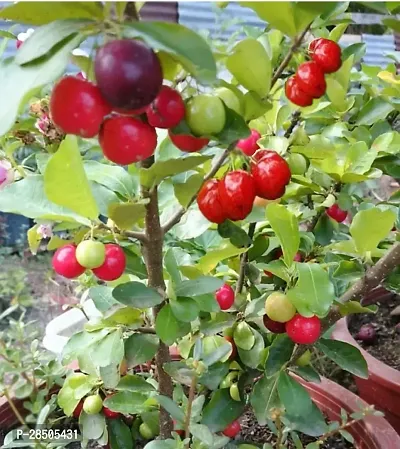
<point>153,255</point>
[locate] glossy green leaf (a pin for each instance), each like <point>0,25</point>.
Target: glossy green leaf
<point>351,307</point>
<point>64,166</point>
<point>202,433</point>
<point>125,215</point>
<point>364,229</point>
<point>279,353</point>
<point>171,265</point>
<point>243,336</point>
<point>108,350</point>
<point>345,355</point>
<point>185,191</point>
<point>235,128</point>
<point>136,294</point>
<point>308,373</point>
<point>200,286</point>
<point>80,343</point>
<point>221,411</point>
<point>236,235</point>
<point>140,348</point>
<point>179,41</point>
<point>110,375</point>
<point>254,77</point>
<point>102,297</point>
<point>168,328</point>
<point>286,227</point>
<point>75,387</point>
<point>314,293</point>
<point>252,358</point>
<point>113,177</point>
<point>294,397</point>
<point>348,270</point>
<point>134,383</point>
<point>277,268</point>
<point>120,436</point>
<point>92,426</point>
<point>209,261</point>
<point>264,398</point>
<point>172,407</point>
<point>127,402</point>
<point>215,349</point>
<point>376,109</point>
<point>184,309</point>
<point>39,13</point>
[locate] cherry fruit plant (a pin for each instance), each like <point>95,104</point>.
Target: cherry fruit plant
<point>223,223</point>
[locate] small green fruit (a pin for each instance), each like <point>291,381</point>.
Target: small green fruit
<point>229,98</point>
<point>234,392</point>
<point>279,308</point>
<point>146,432</point>
<point>205,115</point>
<point>93,404</point>
<point>304,359</point>
<point>90,254</point>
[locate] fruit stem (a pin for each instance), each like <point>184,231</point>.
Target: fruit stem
<point>192,392</point>
<point>295,120</point>
<point>152,249</point>
<point>243,262</point>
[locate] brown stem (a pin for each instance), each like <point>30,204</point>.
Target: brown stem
<point>146,330</point>
<point>243,262</point>
<point>14,409</point>
<point>278,424</point>
<point>153,255</point>
<point>131,11</point>
<point>295,120</point>
<point>192,392</point>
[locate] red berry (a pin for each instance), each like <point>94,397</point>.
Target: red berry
<point>234,348</point>
<point>237,192</point>
<point>296,95</point>
<point>187,142</point>
<point>274,326</point>
<point>210,203</point>
<point>114,265</point>
<point>110,414</point>
<point>65,263</point>
<point>249,146</point>
<point>180,432</point>
<point>232,430</point>
<point>78,410</point>
<point>125,140</point>
<point>336,213</point>
<point>297,257</point>
<point>77,107</point>
<point>271,174</point>
<point>128,73</point>
<point>302,330</point>
<point>225,297</point>
<point>314,43</point>
<point>167,110</point>
<point>328,55</point>
<point>310,79</point>
<point>134,112</point>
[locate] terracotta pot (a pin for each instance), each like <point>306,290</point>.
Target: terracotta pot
<point>372,432</point>
<point>382,388</point>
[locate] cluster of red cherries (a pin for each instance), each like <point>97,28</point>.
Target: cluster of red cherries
<point>232,197</point>
<point>107,262</point>
<point>125,105</point>
<point>309,81</point>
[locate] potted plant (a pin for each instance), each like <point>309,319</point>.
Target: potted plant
<point>222,237</point>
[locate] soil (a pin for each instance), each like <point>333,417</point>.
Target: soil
<point>387,342</point>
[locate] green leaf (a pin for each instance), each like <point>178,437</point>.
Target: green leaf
<point>110,375</point>
<point>345,355</point>
<point>252,358</point>
<point>207,303</point>
<point>277,268</point>
<point>294,397</point>
<point>92,425</point>
<point>243,336</point>
<point>134,383</point>
<point>163,169</point>
<point>102,297</point>
<point>356,50</point>
<point>125,215</point>
<point>136,294</point>
<point>202,433</point>
<point>127,402</point>
<point>39,13</point>
<point>264,398</point>
<point>376,109</point>
<point>286,227</point>
<point>254,77</point>
<point>184,309</point>
<point>236,235</point>
<point>140,348</point>
<point>171,266</point>
<point>185,191</point>
<point>161,444</point>
<point>171,407</point>
<point>352,307</point>
<point>63,167</point>
<point>75,387</point>
<point>314,293</point>
<point>200,286</point>
<point>168,328</point>
<point>221,411</point>
<point>235,128</point>
<point>259,247</point>
<point>211,352</point>
<point>80,343</point>
<point>46,38</point>
<point>349,271</point>
<point>113,177</point>
<point>120,436</point>
<point>308,373</point>
<point>34,239</point>
<point>108,350</point>
<point>179,41</point>
<point>208,262</point>
<point>364,229</point>
<point>279,353</point>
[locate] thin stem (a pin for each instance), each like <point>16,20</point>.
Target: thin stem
<point>278,424</point>
<point>192,392</point>
<point>295,120</point>
<point>146,330</point>
<point>243,262</point>
<point>14,409</point>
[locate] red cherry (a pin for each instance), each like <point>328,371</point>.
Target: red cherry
<point>296,95</point>
<point>297,257</point>
<point>134,112</point>
<point>271,174</point>
<point>65,263</point>
<point>237,192</point>
<point>234,348</point>
<point>210,203</point>
<point>314,43</point>
<point>328,55</point>
<point>180,432</point>
<point>77,107</point>
<point>302,330</point>
<point>114,265</point>
<point>336,213</point>
<point>125,140</point>
<point>249,146</point>
<point>232,430</point>
<point>110,414</point>
<point>274,326</point>
<point>310,79</point>
<point>78,410</point>
<point>167,110</point>
<point>225,297</point>
<point>187,142</point>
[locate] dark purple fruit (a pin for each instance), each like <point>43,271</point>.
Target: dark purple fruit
<point>366,334</point>
<point>128,73</point>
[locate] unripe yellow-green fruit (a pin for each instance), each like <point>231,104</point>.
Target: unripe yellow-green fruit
<point>93,404</point>
<point>279,308</point>
<point>234,392</point>
<point>229,98</point>
<point>304,359</point>
<point>90,254</point>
